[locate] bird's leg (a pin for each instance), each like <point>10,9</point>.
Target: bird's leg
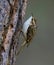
<point>22,47</point>
<point>23,35</point>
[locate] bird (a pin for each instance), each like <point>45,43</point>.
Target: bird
<point>28,31</point>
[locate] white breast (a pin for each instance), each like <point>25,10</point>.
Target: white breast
<point>26,25</point>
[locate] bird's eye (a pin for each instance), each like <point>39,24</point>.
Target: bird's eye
<point>35,20</point>
<point>32,21</point>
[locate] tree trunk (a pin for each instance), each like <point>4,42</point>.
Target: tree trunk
<point>12,22</point>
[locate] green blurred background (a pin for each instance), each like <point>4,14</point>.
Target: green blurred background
<point>41,50</point>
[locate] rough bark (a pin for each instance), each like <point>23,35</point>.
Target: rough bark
<point>11,31</point>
